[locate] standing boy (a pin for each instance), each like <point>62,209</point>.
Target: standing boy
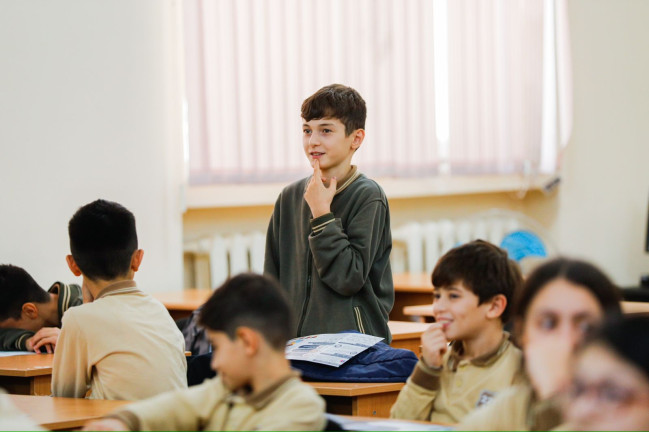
<point>121,343</point>
<point>30,317</point>
<point>328,241</point>
<point>248,321</point>
<point>474,285</point>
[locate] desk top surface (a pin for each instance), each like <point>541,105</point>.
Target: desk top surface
<point>406,329</point>
<point>191,299</point>
<point>63,413</point>
<point>26,365</point>
<point>354,389</point>
<point>185,300</point>
<point>412,282</point>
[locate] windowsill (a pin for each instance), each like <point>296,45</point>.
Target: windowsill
<point>214,196</point>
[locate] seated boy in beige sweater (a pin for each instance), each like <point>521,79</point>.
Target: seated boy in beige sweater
<point>121,343</point>
<point>474,284</point>
<point>248,322</point>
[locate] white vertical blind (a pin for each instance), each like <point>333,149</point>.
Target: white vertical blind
<point>251,63</point>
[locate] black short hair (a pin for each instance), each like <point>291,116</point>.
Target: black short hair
<point>339,102</point>
<point>483,268</point>
<point>103,239</point>
<point>250,300</point>
<point>574,271</point>
<point>17,287</point>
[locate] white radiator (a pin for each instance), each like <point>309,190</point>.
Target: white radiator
<point>212,260</point>
<point>418,245</point>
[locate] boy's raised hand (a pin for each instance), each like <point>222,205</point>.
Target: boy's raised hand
<point>317,195</point>
<point>547,361</point>
<point>433,345</point>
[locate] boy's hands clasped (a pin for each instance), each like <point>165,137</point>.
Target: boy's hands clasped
<point>434,345</point>
<point>317,195</point>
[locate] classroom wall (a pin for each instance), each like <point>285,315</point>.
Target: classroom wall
<point>602,202</point>
<point>89,108</point>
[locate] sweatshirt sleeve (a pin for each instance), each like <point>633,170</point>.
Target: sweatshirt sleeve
<point>71,367</point>
<point>416,399</point>
<point>186,409</point>
<point>271,260</point>
<point>343,256</point>
<point>14,339</point>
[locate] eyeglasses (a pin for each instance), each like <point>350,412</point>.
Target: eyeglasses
<point>605,392</point>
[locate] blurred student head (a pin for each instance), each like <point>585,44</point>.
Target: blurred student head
<point>247,318</point>
<point>610,384</point>
<point>562,301</point>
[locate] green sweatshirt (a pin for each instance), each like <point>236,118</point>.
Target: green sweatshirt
<point>335,268</point>
<point>14,339</point>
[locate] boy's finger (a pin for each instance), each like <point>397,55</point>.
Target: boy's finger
<point>333,183</point>
<point>317,174</point>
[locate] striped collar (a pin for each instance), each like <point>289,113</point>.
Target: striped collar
<point>121,287</point>
<point>482,361</point>
<point>353,174</point>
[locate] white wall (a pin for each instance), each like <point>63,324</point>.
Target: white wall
<point>602,203</point>
<point>89,108</point>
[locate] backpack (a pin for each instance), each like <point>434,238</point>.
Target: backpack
<point>378,363</point>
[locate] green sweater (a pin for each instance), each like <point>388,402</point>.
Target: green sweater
<point>335,268</point>
<point>14,339</point>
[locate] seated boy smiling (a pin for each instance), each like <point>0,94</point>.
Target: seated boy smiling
<point>474,284</point>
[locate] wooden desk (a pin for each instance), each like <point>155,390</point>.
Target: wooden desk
<point>27,374</point>
<point>424,312</point>
<point>181,304</point>
<point>407,334</point>
<point>410,289</point>
<point>58,413</point>
<point>358,399</point>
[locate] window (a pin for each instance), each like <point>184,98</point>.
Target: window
<point>452,87</point>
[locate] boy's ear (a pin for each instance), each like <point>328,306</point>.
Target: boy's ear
<point>72,264</point>
<point>359,136</point>
<point>136,259</point>
<point>497,306</point>
<point>29,310</point>
<point>250,340</point>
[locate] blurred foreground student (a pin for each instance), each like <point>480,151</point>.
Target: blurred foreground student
<point>122,343</point>
<point>474,286</point>
<point>30,317</point>
<point>610,385</point>
<point>329,241</point>
<point>562,301</point>
<point>248,321</point>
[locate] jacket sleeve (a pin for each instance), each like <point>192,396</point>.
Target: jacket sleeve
<point>71,367</point>
<point>343,256</point>
<point>186,409</point>
<point>416,399</point>
<point>271,257</point>
<point>14,339</point>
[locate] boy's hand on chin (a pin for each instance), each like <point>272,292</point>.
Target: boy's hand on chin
<point>434,345</point>
<point>317,195</point>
